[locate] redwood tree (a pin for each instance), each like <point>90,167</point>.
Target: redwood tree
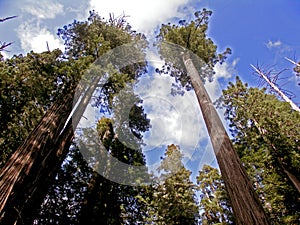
<point>266,135</point>
<point>26,176</point>
<point>190,60</point>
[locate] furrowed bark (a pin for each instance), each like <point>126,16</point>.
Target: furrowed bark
<point>244,200</point>
<point>28,174</point>
<point>22,176</point>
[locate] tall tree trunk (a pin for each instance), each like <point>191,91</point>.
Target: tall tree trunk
<point>21,176</point>
<point>244,200</point>
<point>27,175</point>
<point>101,205</point>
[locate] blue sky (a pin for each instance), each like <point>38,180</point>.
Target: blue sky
<point>259,32</point>
<point>262,32</point>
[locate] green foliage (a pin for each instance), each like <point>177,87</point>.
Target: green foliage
<point>172,201</point>
<point>64,198</point>
<point>266,136</point>
<point>176,40</point>
<point>29,84</point>
<point>96,36</point>
<point>192,36</point>
<point>106,201</point>
<point>105,131</point>
<point>214,205</point>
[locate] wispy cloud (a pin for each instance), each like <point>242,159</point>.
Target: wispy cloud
<point>281,49</point>
<point>273,44</point>
<point>32,37</point>
<point>225,70</point>
<point>174,119</point>
<point>143,15</point>
<point>43,9</point>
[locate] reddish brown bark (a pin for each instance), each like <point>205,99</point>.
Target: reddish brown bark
<point>31,166</point>
<point>28,174</point>
<point>245,202</point>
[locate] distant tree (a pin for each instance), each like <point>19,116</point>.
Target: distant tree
<point>215,207</point>
<point>106,201</point>
<point>172,201</point>
<point>266,135</point>
<point>190,42</point>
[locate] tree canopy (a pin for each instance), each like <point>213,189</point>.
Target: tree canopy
<point>266,135</point>
<point>54,172</point>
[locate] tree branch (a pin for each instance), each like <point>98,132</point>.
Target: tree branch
<point>7,18</point>
<point>275,88</point>
<point>296,64</point>
<point>4,45</point>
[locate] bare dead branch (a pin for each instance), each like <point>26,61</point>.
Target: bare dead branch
<point>273,86</point>
<point>296,64</point>
<point>48,48</point>
<point>7,18</point>
<point>4,45</point>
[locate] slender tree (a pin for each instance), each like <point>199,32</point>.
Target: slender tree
<point>214,203</point>
<point>192,36</point>
<point>108,202</point>
<point>173,199</point>
<point>266,136</point>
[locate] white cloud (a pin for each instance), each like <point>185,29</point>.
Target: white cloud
<point>36,39</point>
<point>225,70</point>
<point>43,9</point>
<point>274,44</point>
<point>143,15</point>
<point>175,120</point>
<point>4,54</point>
